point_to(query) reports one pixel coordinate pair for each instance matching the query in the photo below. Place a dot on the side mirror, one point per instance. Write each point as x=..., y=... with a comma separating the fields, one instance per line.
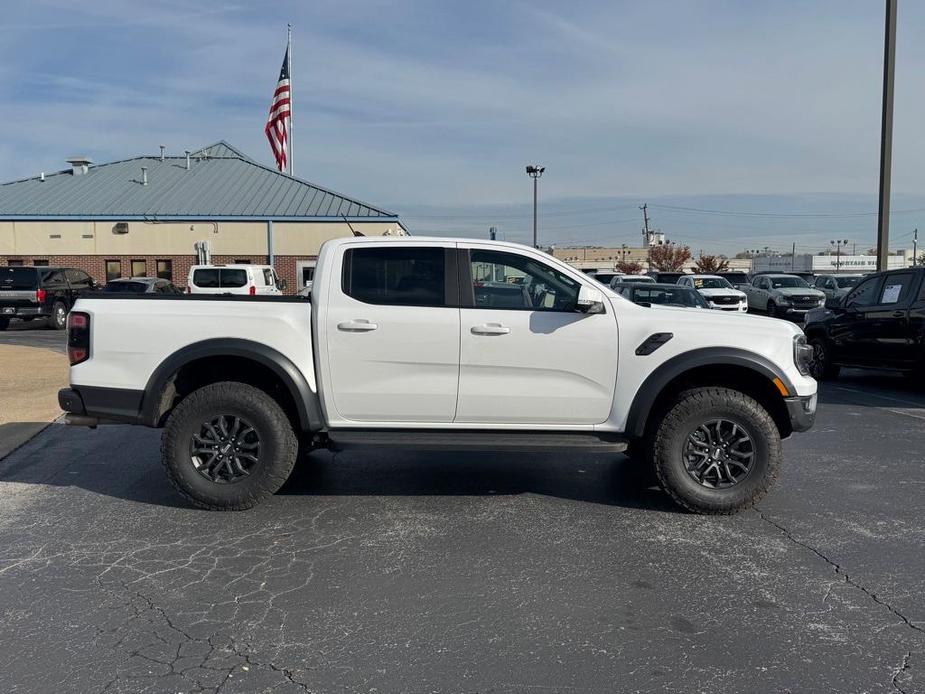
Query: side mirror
x=590, y=300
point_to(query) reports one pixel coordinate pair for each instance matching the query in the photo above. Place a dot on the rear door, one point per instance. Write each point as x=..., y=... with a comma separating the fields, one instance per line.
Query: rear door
x=392, y=333
x=527, y=356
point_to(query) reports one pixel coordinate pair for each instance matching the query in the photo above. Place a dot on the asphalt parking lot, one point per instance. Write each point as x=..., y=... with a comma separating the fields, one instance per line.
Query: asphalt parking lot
x=33, y=334
x=470, y=573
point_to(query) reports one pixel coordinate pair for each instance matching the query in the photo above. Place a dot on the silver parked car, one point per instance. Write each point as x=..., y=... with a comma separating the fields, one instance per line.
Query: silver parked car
x=782, y=296
x=836, y=286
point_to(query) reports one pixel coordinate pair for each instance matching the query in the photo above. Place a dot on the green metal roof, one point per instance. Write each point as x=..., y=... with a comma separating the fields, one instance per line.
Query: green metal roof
x=221, y=183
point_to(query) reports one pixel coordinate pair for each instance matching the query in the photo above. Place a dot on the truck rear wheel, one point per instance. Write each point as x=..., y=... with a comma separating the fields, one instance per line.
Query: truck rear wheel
x=228, y=446
x=716, y=451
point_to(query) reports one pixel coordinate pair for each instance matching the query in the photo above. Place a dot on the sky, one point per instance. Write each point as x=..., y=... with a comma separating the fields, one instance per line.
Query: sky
x=741, y=124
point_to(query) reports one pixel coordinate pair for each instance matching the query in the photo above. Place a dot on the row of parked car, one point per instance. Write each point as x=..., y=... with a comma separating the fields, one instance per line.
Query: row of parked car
x=861, y=321
x=28, y=293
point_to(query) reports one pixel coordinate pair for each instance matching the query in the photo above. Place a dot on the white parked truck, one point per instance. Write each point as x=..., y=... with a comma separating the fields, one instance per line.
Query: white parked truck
x=441, y=344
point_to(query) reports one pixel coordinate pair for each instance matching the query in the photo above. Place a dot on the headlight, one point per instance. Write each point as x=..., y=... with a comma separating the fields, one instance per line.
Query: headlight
x=802, y=354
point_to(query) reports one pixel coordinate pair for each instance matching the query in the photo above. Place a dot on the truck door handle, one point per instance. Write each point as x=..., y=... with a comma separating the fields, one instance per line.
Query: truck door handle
x=361, y=325
x=899, y=314
x=490, y=329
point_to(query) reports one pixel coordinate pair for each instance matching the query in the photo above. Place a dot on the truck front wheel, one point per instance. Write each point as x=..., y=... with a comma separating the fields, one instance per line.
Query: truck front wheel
x=716, y=450
x=228, y=446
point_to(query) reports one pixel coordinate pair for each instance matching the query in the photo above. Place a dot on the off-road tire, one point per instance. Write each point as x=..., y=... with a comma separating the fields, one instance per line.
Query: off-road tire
x=278, y=446
x=822, y=367
x=772, y=309
x=699, y=405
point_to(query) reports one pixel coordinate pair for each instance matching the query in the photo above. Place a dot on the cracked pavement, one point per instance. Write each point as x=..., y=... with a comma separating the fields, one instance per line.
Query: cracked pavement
x=388, y=572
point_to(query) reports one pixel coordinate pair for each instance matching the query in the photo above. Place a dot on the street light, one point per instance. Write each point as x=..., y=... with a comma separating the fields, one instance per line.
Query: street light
x=534, y=171
x=838, y=243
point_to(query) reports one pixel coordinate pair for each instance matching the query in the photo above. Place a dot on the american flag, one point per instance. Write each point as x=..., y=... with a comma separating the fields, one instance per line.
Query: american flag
x=277, y=127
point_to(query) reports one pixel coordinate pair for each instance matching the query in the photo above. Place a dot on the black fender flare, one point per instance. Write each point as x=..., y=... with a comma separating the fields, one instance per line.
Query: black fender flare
x=306, y=400
x=655, y=383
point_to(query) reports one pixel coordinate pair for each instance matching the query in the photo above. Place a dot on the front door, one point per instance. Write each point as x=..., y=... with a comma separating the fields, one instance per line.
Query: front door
x=851, y=333
x=527, y=356
x=392, y=331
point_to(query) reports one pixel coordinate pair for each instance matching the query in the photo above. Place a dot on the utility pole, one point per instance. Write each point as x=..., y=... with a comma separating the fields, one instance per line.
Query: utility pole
x=886, y=137
x=915, y=245
x=793, y=257
x=645, y=220
x=534, y=171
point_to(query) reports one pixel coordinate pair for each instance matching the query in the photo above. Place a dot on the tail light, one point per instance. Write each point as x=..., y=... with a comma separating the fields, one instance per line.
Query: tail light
x=40, y=296
x=78, y=337
x=252, y=291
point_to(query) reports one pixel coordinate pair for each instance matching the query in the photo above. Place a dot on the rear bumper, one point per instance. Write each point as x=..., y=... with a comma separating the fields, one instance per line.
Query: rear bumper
x=802, y=411
x=107, y=405
x=22, y=312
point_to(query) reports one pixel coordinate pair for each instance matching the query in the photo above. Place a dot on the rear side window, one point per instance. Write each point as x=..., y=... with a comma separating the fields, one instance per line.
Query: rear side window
x=125, y=287
x=207, y=279
x=233, y=277
x=404, y=276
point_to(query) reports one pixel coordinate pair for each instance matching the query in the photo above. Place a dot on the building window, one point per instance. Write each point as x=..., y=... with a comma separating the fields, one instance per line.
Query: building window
x=113, y=270
x=242, y=261
x=139, y=268
x=14, y=263
x=165, y=269
x=38, y=262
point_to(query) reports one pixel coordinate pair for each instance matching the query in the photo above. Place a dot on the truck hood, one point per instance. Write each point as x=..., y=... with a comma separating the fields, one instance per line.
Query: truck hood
x=798, y=291
x=724, y=322
x=721, y=292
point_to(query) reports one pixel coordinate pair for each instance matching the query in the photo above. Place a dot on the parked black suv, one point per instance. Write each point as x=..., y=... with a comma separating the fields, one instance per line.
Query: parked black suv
x=41, y=292
x=880, y=324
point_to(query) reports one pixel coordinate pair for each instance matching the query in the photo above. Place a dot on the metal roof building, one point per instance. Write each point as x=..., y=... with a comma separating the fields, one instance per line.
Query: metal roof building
x=157, y=214
x=220, y=182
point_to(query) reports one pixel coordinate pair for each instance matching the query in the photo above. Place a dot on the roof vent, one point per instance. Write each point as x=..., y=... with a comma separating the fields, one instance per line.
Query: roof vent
x=187, y=159
x=163, y=147
x=79, y=165
x=144, y=175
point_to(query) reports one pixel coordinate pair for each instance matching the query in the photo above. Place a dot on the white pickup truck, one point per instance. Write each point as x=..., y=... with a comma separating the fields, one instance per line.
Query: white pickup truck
x=441, y=344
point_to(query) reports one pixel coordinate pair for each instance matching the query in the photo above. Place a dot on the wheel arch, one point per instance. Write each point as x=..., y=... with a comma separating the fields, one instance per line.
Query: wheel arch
x=740, y=369
x=222, y=359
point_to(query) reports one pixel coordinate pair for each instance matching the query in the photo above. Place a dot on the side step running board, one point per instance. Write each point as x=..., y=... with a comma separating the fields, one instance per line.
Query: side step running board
x=485, y=440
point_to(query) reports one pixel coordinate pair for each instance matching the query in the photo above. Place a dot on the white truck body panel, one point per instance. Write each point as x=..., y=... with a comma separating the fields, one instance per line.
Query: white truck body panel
x=423, y=367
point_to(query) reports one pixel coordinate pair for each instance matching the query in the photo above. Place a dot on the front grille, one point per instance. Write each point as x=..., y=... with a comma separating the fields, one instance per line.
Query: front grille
x=724, y=300
x=804, y=301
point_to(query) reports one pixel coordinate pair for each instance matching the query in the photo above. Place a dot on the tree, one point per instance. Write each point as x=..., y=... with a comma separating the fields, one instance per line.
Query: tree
x=711, y=264
x=628, y=267
x=669, y=257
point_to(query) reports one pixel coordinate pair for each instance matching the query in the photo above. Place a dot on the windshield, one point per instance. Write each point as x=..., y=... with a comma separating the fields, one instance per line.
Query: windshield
x=667, y=296
x=711, y=283
x=787, y=282
x=126, y=287
x=737, y=277
x=14, y=278
x=847, y=281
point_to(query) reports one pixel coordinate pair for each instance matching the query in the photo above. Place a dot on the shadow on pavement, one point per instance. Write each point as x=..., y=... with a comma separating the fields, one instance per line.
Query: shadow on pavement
x=123, y=462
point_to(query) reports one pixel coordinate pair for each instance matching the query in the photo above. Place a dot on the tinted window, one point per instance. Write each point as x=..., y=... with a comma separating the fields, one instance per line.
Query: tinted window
x=668, y=296
x=865, y=294
x=18, y=278
x=896, y=288
x=511, y=281
x=395, y=276
x=206, y=278
x=846, y=281
x=126, y=287
x=233, y=277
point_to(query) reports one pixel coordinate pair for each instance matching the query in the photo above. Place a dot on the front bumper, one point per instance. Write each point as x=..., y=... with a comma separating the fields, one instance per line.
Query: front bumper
x=740, y=307
x=802, y=411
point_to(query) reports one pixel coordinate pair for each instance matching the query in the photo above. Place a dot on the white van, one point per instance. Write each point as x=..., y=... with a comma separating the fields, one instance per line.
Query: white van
x=252, y=280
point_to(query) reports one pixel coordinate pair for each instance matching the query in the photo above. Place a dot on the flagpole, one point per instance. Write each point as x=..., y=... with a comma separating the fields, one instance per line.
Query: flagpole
x=289, y=70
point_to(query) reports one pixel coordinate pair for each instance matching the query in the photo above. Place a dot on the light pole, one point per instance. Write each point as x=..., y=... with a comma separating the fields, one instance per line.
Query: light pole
x=534, y=171
x=838, y=243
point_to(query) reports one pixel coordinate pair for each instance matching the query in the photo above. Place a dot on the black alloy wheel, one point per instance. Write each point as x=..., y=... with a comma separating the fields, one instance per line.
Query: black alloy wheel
x=226, y=449
x=719, y=453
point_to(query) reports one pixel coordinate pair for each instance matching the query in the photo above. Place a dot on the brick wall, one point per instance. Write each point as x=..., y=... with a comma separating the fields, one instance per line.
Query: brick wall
x=95, y=265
